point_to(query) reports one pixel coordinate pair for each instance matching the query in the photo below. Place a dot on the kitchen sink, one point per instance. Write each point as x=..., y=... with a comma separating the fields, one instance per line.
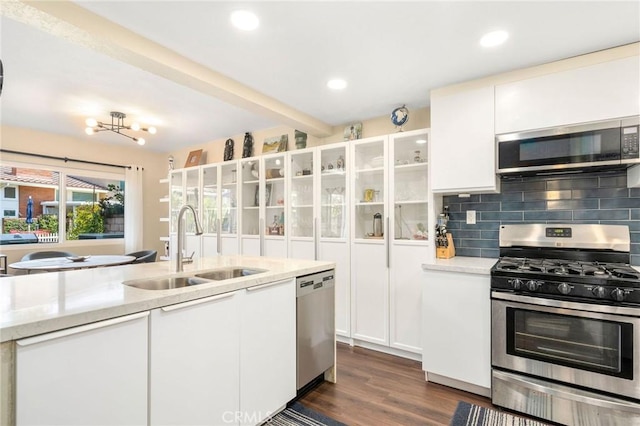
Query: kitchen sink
x=228, y=273
x=166, y=283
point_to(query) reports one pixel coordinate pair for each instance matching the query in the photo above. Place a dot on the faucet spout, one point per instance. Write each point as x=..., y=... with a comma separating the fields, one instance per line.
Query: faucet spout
x=181, y=233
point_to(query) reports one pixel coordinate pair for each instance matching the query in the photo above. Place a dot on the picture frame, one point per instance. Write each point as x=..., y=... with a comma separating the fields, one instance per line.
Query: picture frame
x=275, y=144
x=267, y=195
x=193, y=159
x=353, y=132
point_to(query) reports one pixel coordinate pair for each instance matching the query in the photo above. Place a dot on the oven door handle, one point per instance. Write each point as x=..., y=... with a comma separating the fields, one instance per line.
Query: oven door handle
x=547, y=388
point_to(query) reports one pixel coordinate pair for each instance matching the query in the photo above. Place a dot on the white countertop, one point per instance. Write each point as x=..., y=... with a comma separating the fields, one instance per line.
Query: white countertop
x=469, y=265
x=41, y=303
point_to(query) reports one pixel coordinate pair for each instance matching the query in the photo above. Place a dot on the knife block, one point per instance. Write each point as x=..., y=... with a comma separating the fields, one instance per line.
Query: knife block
x=448, y=251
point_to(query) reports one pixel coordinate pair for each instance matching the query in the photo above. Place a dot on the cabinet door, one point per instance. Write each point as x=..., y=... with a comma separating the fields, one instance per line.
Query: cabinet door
x=302, y=214
x=457, y=317
x=87, y=375
x=250, y=194
x=596, y=92
x=267, y=350
x=370, y=293
x=273, y=205
x=405, y=296
x=462, y=144
x=337, y=251
x=229, y=208
x=195, y=362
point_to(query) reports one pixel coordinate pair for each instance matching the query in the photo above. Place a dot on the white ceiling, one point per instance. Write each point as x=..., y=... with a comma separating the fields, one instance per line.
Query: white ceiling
x=391, y=53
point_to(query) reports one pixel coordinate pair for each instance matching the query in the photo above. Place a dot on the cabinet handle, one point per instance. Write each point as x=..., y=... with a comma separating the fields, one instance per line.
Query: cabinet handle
x=197, y=302
x=80, y=329
x=315, y=239
x=261, y=286
x=388, y=242
x=219, y=231
x=261, y=233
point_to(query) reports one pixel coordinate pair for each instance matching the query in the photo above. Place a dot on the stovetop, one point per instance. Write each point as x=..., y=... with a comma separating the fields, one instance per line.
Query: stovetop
x=590, y=281
x=569, y=269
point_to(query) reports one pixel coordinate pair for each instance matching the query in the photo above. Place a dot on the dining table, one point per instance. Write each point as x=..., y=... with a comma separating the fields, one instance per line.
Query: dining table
x=67, y=263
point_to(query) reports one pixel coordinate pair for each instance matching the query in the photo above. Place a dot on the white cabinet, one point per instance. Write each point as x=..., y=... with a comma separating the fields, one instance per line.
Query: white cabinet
x=332, y=215
x=220, y=209
x=457, y=329
x=195, y=362
x=164, y=205
x=267, y=350
x=185, y=189
x=369, y=252
x=390, y=179
x=590, y=93
x=96, y=373
x=463, y=142
x=262, y=205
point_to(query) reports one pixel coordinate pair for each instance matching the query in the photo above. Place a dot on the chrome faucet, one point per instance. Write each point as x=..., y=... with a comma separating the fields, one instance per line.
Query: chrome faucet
x=181, y=232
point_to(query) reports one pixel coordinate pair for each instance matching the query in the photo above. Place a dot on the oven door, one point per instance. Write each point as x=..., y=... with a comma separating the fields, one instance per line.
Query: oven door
x=574, y=343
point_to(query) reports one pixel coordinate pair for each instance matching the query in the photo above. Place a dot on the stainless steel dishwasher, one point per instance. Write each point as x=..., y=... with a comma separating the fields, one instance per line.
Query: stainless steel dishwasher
x=315, y=297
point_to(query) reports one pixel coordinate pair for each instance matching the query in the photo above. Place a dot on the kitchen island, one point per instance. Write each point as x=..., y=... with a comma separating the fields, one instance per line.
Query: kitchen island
x=95, y=339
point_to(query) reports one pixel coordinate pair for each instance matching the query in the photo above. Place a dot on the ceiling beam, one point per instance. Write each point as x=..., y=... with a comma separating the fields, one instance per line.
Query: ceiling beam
x=69, y=21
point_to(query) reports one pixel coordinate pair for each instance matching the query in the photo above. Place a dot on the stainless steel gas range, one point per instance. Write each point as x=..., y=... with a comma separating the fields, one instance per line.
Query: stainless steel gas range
x=565, y=324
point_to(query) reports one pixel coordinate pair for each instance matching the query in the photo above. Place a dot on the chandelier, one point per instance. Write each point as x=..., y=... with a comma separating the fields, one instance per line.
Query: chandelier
x=116, y=126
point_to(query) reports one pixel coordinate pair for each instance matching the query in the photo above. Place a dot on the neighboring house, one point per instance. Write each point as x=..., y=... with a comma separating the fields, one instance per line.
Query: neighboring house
x=18, y=184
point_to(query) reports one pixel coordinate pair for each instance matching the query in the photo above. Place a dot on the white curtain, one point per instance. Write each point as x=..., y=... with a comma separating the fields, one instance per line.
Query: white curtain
x=133, y=209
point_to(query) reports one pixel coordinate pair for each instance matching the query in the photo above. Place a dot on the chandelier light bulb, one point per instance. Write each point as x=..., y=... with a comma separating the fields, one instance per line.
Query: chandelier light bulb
x=89, y=130
x=152, y=130
x=140, y=141
x=91, y=122
x=135, y=126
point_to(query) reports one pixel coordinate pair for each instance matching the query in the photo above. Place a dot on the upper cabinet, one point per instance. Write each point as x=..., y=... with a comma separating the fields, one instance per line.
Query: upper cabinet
x=591, y=93
x=462, y=151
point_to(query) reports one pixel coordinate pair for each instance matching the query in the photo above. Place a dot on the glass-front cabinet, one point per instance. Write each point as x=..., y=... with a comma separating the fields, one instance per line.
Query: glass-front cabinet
x=263, y=194
x=185, y=189
x=273, y=203
x=302, y=215
x=369, y=241
x=219, y=204
x=408, y=248
x=333, y=229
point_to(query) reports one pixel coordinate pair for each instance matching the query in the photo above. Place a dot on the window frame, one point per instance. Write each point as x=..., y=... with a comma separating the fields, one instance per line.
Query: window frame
x=61, y=192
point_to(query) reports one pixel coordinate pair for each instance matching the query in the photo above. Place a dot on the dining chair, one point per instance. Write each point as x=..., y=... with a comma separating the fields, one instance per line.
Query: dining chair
x=144, y=256
x=46, y=254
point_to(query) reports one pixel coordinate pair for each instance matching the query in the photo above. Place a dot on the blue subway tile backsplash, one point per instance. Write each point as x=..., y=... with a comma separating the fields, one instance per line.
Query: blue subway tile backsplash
x=595, y=197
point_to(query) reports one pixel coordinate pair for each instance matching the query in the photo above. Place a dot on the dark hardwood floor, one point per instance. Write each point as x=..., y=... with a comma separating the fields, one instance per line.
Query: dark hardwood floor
x=374, y=388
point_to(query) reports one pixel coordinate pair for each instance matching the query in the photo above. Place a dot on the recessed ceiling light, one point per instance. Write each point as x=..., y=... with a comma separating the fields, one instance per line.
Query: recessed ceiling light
x=244, y=20
x=421, y=141
x=337, y=84
x=494, y=38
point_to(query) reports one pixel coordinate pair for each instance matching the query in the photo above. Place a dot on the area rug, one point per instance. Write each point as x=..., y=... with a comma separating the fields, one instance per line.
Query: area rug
x=299, y=415
x=472, y=415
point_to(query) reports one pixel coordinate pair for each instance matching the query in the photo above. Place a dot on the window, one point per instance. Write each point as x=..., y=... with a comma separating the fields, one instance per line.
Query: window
x=59, y=204
x=10, y=192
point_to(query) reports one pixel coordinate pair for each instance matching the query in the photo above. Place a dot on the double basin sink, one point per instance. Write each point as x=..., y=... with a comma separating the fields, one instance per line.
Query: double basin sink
x=167, y=283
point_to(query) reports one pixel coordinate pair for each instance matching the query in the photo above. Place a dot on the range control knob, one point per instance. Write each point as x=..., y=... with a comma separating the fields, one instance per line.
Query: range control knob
x=564, y=288
x=599, y=292
x=516, y=283
x=618, y=295
x=533, y=285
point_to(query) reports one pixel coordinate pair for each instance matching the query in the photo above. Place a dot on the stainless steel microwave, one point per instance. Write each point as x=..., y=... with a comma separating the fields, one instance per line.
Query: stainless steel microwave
x=603, y=144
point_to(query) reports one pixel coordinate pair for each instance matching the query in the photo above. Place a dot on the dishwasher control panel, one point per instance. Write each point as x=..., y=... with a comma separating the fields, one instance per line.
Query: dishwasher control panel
x=313, y=282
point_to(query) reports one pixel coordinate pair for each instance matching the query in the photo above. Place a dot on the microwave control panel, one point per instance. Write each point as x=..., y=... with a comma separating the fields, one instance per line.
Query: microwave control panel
x=630, y=146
